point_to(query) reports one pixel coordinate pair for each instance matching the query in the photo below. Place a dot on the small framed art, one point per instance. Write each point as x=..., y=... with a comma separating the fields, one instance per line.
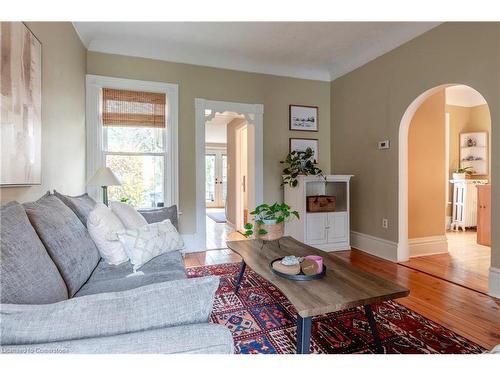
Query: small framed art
x=301, y=144
x=303, y=118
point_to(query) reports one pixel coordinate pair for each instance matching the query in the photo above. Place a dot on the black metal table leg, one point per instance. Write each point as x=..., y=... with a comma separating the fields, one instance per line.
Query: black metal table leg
x=303, y=334
x=243, y=265
x=373, y=328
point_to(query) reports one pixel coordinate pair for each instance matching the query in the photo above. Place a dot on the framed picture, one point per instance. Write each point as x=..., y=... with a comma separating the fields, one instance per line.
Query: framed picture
x=301, y=144
x=303, y=118
x=21, y=103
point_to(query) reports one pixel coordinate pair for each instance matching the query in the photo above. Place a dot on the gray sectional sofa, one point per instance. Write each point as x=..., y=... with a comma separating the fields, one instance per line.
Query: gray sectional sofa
x=58, y=296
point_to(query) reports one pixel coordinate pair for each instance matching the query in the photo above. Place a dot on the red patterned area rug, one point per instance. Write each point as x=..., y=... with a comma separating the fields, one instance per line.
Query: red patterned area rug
x=262, y=320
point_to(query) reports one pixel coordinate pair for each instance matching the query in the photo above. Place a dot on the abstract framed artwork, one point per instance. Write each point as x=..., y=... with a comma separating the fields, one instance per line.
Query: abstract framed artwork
x=301, y=144
x=303, y=118
x=21, y=105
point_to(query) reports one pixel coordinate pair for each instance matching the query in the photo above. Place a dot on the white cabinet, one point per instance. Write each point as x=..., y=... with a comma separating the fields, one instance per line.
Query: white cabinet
x=316, y=232
x=337, y=227
x=328, y=231
x=325, y=228
x=464, y=213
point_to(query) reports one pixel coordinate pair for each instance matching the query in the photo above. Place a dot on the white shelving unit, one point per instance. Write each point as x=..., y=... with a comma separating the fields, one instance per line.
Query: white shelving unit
x=327, y=231
x=474, y=152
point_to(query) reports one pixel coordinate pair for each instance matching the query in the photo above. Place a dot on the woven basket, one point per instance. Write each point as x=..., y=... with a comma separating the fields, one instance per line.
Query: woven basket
x=321, y=203
x=274, y=231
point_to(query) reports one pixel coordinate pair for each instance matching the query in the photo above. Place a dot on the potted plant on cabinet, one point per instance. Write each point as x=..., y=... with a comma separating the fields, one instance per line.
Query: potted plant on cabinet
x=299, y=163
x=461, y=173
x=269, y=221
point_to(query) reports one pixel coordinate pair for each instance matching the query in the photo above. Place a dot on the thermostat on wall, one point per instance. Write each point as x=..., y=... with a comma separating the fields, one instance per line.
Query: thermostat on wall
x=384, y=145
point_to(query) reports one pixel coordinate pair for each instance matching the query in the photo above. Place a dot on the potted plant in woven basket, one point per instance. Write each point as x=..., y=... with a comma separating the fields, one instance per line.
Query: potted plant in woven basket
x=269, y=221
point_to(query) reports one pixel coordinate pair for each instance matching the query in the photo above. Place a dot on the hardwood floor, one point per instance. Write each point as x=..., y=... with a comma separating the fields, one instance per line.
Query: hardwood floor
x=219, y=233
x=466, y=263
x=471, y=314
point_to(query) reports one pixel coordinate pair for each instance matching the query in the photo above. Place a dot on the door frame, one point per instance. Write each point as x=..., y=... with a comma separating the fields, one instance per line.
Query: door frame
x=205, y=110
x=239, y=198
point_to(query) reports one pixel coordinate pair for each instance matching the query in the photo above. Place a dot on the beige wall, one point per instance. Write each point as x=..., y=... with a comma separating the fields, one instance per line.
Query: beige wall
x=368, y=104
x=274, y=92
x=63, y=113
x=426, y=169
x=480, y=121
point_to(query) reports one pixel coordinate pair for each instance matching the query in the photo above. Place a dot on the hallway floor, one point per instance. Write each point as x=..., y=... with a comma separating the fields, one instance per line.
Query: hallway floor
x=466, y=263
x=219, y=233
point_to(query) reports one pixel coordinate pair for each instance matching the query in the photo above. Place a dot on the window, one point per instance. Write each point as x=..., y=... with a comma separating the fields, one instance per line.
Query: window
x=132, y=128
x=134, y=145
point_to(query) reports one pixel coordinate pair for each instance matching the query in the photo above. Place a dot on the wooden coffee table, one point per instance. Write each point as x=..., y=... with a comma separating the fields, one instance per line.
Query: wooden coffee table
x=344, y=286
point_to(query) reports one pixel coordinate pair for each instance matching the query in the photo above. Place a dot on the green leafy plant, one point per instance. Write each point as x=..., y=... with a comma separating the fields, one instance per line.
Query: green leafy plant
x=265, y=213
x=466, y=170
x=299, y=163
x=125, y=200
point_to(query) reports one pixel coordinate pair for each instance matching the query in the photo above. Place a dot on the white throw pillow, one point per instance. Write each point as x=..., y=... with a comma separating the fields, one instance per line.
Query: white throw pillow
x=102, y=225
x=149, y=241
x=128, y=215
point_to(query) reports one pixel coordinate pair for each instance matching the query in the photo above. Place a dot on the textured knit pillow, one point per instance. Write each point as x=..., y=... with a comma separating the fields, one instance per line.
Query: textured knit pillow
x=102, y=225
x=129, y=216
x=149, y=241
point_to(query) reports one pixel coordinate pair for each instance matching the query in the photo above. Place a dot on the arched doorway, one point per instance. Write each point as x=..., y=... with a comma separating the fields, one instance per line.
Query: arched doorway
x=413, y=240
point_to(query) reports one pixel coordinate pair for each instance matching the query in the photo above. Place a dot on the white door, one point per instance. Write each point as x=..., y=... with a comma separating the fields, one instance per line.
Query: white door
x=215, y=177
x=336, y=227
x=316, y=228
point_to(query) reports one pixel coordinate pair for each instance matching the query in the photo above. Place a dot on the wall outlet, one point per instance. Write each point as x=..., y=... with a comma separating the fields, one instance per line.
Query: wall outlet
x=385, y=223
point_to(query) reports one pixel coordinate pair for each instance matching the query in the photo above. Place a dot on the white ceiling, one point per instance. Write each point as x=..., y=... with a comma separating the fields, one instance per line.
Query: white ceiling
x=463, y=96
x=311, y=50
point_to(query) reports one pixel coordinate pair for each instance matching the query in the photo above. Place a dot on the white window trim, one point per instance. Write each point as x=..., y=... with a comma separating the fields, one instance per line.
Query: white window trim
x=95, y=152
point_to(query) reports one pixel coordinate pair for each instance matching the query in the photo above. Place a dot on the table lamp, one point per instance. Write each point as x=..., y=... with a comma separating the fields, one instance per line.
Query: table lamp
x=104, y=177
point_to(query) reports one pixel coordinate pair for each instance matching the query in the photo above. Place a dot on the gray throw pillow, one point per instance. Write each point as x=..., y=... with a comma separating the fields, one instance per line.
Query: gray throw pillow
x=81, y=205
x=28, y=275
x=159, y=214
x=66, y=239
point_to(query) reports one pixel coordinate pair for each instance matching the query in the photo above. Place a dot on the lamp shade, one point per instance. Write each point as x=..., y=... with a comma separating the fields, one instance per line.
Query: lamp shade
x=104, y=177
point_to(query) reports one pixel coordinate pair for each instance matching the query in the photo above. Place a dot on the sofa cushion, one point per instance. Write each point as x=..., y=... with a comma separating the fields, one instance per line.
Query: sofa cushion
x=160, y=305
x=200, y=338
x=102, y=225
x=28, y=274
x=109, y=278
x=129, y=216
x=150, y=241
x=160, y=214
x=66, y=240
x=81, y=205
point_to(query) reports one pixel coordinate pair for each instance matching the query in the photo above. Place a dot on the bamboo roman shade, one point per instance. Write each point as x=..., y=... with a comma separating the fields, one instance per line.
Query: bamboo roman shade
x=133, y=108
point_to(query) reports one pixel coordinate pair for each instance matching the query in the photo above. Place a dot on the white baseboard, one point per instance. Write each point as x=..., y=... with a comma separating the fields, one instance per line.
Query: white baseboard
x=494, y=282
x=376, y=246
x=427, y=246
